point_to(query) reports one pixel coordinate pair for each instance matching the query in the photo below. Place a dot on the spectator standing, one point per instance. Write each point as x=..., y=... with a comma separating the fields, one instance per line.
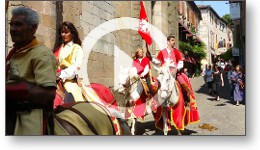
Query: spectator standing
x=208, y=77
x=217, y=81
x=239, y=86
x=230, y=74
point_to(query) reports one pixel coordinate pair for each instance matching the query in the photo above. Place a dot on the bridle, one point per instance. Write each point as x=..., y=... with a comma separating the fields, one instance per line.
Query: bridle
x=170, y=93
x=128, y=86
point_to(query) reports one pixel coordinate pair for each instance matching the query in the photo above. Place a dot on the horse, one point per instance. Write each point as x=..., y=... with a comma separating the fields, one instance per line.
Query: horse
x=99, y=97
x=171, y=102
x=131, y=86
x=86, y=118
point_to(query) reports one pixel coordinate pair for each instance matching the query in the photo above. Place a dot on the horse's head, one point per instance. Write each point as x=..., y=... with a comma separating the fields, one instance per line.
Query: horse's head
x=166, y=78
x=125, y=77
x=166, y=81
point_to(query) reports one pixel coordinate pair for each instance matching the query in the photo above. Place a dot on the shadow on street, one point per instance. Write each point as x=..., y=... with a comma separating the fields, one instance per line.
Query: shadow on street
x=142, y=128
x=224, y=92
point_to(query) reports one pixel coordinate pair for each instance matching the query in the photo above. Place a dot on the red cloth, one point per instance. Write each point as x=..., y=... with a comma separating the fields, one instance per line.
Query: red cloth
x=143, y=29
x=175, y=56
x=140, y=66
x=138, y=108
x=19, y=91
x=56, y=53
x=57, y=101
x=175, y=115
x=192, y=115
x=104, y=93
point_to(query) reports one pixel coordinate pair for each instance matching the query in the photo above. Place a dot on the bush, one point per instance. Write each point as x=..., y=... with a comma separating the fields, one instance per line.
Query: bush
x=191, y=49
x=228, y=55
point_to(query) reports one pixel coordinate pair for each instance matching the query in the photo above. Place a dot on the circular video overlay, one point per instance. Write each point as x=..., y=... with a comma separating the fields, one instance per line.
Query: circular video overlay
x=122, y=61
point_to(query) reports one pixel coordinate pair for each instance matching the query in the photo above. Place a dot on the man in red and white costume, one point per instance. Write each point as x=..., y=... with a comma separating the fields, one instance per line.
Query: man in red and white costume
x=170, y=54
x=179, y=115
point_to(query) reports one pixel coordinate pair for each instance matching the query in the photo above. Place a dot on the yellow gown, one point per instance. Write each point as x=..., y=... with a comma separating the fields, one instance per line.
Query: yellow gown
x=71, y=56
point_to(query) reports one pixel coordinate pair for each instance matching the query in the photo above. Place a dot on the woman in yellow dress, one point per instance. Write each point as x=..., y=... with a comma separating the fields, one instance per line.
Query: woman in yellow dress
x=69, y=56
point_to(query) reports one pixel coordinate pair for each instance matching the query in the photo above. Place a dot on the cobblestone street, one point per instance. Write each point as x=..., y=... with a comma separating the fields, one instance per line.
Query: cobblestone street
x=225, y=117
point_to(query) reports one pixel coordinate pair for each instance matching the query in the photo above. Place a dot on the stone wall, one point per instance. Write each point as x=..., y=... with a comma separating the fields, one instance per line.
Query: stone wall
x=173, y=21
x=86, y=15
x=47, y=13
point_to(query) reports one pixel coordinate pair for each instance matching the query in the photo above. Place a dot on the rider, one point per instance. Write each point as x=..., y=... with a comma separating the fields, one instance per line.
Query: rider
x=30, y=74
x=142, y=65
x=69, y=55
x=169, y=54
x=173, y=56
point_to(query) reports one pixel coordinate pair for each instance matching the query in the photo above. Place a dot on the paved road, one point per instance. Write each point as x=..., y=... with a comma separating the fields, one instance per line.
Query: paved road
x=228, y=118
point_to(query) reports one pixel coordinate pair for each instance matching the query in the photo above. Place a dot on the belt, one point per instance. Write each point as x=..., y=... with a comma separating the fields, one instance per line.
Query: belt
x=27, y=106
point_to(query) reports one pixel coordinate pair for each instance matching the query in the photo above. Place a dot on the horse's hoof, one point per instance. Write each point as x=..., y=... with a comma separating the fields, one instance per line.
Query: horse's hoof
x=133, y=132
x=179, y=132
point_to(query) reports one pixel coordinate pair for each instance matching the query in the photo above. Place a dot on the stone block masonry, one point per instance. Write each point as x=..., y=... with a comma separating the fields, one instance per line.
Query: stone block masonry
x=86, y=15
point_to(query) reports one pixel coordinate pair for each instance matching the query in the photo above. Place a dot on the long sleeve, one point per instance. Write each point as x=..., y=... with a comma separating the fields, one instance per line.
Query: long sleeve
x=78, y=62
x=156, y=61
x=74, y=64
x=78, y=56
x=68, y=73
x=180, y=64
x=145, y=72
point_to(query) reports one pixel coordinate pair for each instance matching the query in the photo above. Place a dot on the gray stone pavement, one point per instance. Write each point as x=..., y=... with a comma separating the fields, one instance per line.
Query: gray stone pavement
x=228, y=118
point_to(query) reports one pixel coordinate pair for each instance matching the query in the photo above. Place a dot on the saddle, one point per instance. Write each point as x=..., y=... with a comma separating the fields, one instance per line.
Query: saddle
x=152, y=90
x=155, y=85
x=145, y=87
x=82, y=118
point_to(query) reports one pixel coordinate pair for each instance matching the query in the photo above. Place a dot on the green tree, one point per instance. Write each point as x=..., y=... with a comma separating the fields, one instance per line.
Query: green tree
x=228, y=55
x=227, y=17
x=195, y=50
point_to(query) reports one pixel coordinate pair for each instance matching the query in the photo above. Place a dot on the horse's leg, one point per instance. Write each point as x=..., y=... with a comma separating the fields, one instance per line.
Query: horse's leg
x=133, y=126
x=179, y=132
x=165, y=127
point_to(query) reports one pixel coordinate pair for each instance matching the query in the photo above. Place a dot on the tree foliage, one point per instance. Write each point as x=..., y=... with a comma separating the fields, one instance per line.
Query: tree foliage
x=192, y=49
x=228, y=55
x=227, y=17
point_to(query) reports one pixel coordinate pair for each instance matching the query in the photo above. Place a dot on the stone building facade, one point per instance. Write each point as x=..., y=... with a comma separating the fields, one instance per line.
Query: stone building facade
x=189, y=17
x=86, y=15
x=214, y=32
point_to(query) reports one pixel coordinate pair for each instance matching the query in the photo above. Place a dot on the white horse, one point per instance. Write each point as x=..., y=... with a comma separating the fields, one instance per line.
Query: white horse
x=131, y=86
x=167, y=94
